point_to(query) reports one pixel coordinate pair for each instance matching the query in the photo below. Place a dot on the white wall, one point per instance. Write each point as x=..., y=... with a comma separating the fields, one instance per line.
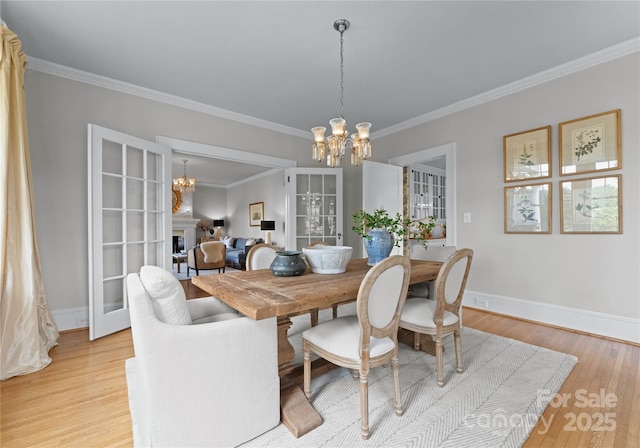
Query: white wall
x=594, y=273
x=210, y=203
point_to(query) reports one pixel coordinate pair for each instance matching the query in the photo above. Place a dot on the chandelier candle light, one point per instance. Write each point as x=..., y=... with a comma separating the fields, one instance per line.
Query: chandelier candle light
x=339, y=141
x=182, y=183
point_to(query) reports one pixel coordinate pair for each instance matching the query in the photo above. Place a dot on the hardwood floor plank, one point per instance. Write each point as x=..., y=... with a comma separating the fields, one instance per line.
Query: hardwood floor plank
x=80, y=400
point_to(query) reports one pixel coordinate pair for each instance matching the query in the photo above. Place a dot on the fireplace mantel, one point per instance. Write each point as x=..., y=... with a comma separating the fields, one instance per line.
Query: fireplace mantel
x=186, y=227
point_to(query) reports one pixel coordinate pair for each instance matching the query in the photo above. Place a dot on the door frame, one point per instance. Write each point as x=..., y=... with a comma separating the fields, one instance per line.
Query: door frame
x=449, y=152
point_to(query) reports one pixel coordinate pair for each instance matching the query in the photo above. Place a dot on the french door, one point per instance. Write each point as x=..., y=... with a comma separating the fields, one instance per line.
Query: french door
x=314, y=207
x=129, y=220
x=382, y=186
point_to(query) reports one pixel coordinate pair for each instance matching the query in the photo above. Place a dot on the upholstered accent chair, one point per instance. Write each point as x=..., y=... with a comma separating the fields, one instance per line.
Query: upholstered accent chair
x=369, y=339
x=441, y=317
x=203, y=374
x=208, y=255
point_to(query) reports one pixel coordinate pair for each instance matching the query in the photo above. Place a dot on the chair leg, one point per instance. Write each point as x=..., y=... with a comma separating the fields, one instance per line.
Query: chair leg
x=458, y=343
x=307, y=369
x=364, y=404
x=314, y=317
x=439, y=362
x=416, y=341
x=335, y=310
x=397, y=405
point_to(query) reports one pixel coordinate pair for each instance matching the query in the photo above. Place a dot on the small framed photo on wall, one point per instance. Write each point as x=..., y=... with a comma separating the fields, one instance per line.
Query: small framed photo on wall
x=591, y=205
x=527, y=208
x=590, y=144
x=527, y=155
x=256, y=214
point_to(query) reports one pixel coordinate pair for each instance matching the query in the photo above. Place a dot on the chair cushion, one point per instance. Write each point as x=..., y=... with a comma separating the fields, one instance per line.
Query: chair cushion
x=342, y=337
x=167, y=295
x=213, y=251
x=419, y=311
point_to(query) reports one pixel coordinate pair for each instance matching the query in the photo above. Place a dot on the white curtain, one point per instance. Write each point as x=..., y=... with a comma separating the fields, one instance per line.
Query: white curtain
x=27, y=329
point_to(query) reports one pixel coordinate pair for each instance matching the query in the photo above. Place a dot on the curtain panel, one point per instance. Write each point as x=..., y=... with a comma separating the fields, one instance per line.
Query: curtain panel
x=27, y=328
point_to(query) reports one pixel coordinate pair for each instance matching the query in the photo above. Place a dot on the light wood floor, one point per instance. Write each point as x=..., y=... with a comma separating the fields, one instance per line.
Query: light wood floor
x=80, y=400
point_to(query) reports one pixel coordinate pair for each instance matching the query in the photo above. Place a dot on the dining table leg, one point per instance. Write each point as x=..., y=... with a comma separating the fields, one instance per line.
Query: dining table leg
x=297, y=414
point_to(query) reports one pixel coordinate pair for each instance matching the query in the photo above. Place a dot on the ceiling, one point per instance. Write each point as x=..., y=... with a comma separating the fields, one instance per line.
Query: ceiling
x=279, y=61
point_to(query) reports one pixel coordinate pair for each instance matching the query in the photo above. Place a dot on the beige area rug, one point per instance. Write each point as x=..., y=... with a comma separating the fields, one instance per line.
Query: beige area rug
x=505, y=387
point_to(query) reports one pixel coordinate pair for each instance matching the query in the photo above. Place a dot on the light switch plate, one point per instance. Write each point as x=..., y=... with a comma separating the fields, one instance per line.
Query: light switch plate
x=467, y=217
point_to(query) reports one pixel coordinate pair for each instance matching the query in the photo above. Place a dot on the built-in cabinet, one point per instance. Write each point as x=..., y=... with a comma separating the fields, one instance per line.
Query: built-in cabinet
x=427, y=193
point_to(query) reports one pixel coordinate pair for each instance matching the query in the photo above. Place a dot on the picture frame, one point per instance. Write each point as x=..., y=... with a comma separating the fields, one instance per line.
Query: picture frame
x=527, y=155
x=590, y=144
x=256, y=213
x=591, y=205
x=527, y=208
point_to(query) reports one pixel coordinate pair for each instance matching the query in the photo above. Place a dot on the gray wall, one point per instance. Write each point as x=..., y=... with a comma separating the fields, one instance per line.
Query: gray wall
x=589, y=272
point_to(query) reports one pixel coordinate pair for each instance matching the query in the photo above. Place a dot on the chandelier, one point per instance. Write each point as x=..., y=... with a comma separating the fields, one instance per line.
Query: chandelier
x=182, y=183
x=339, y=142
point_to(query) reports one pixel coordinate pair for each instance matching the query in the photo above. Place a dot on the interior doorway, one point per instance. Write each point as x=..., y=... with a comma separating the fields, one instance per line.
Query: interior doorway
x=443, y=157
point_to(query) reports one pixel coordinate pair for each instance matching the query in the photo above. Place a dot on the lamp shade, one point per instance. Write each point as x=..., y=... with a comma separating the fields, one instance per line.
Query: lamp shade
x=267, y=225
x=218, y=223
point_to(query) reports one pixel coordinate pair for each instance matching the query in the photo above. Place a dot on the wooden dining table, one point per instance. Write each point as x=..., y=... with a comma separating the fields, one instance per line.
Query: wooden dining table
x=260, y=295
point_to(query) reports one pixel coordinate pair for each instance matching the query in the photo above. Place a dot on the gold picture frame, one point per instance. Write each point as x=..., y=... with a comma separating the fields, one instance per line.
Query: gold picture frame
x=256, y=213
x=527, y=208
x=527, y=155
x=590, y=144
x=591, y=205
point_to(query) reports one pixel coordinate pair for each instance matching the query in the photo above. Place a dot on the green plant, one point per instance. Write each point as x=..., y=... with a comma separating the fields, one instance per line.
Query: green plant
x=422, y=229
x=380, y=219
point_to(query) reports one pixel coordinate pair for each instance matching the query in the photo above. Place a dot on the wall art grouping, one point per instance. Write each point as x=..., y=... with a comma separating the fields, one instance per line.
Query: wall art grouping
x=587, y=205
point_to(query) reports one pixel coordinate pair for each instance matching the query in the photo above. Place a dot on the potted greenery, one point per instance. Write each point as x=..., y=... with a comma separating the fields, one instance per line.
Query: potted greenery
x=380, y=231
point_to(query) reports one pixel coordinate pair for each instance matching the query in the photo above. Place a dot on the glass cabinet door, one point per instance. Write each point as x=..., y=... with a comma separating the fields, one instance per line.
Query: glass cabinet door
x=314, y=207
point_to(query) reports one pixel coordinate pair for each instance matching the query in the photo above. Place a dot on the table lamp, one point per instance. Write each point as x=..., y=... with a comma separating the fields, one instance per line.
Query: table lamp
x=217, y=223
x=268, y=226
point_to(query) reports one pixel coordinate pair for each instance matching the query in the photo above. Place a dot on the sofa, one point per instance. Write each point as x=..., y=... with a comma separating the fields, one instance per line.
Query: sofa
x=203, y=374
x=237, y=250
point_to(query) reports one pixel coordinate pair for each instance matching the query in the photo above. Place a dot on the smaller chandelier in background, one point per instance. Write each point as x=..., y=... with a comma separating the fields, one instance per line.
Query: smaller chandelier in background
x=184, y=184
x=339, y=142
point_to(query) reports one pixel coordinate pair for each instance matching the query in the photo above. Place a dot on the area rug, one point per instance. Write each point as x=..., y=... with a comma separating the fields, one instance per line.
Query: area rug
x=505, y=387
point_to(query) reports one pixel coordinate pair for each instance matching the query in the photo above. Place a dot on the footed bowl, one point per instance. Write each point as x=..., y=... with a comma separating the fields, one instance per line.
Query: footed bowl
x=328, y=259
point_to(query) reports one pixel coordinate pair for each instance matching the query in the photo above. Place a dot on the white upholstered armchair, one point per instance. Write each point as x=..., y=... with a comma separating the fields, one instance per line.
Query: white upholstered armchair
x=210, y=381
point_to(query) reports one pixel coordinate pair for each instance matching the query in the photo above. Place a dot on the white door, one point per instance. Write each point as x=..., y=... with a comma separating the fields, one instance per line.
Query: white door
x=382, y=188
x=129, y=220
x=314, y=206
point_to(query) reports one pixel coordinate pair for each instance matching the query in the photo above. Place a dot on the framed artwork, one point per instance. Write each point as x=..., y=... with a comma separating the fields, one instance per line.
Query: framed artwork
x=256, y=213
x=527, y=155
x=592, y=205
x=527, y=208
x=590, y=144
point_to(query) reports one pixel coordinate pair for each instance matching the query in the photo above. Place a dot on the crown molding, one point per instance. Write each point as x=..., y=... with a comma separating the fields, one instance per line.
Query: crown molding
x=617, y=51
x=608, y=54
x=62, y=71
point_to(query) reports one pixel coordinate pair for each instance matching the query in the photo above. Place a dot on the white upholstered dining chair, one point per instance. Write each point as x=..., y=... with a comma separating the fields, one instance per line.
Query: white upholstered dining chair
x=431, y=252
x=260, y=256
x=369, y=339
x=441, y=317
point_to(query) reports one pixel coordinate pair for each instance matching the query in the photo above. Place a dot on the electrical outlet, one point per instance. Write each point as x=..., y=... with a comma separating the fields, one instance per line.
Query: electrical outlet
x=482, y=302
x=82, y=321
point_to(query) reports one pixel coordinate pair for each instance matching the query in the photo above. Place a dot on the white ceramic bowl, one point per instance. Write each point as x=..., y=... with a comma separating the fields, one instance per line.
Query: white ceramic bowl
x=328, y=259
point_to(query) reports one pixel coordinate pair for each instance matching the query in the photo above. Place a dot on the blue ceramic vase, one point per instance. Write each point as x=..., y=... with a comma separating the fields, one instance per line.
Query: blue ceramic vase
x=379, y=245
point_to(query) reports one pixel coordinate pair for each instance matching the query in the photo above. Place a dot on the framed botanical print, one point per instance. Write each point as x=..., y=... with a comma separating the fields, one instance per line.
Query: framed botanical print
x=256, y=213
x=527, y=155
x=527, y=208
x=591, y=205
x=590, y=144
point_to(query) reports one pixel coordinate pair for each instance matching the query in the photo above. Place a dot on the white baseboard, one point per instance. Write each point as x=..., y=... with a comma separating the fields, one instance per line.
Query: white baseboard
x=610, y=325
x=71, y=318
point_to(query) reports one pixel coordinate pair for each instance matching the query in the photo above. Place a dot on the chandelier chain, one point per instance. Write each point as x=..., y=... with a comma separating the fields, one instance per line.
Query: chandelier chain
x=341, y=73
